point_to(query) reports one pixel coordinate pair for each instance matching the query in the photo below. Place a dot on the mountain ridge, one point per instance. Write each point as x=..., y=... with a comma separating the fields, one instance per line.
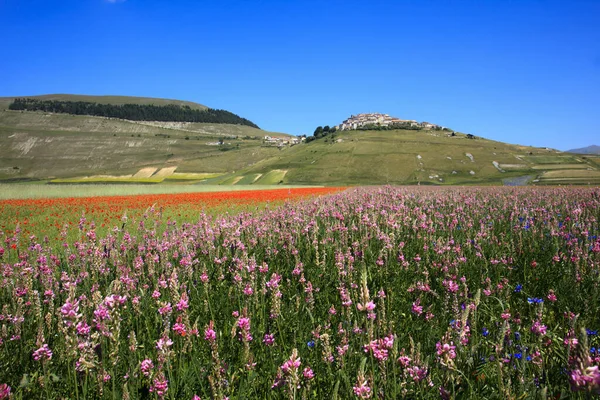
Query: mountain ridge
x=592, y=149
x=105, y=99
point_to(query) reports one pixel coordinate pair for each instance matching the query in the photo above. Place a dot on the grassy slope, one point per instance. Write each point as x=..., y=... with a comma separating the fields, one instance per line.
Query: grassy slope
x=42, y=145
x=376, y=157
x=59, y=145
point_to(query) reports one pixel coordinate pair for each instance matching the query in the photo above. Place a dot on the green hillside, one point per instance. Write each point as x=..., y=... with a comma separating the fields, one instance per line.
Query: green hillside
x=424, y=157
x=63, y=148
x=35, y=145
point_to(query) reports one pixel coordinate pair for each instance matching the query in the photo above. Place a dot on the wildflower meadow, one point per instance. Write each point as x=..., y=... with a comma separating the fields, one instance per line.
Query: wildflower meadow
x=383, y=293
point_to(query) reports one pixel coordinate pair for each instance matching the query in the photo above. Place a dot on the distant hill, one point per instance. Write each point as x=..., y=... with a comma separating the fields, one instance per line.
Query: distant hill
x=116, y=100
x=593, y=149
x=425, y=157
x=129, y=111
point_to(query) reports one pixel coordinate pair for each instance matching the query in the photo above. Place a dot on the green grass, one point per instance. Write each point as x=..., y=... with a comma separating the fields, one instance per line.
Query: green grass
x=552, y=159
x=178, y=176
x=108, y=179
x=273, y=177
x=248, y=179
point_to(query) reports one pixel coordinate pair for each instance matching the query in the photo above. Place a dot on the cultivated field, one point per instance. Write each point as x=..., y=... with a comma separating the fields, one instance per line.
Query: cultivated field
x=474, y=293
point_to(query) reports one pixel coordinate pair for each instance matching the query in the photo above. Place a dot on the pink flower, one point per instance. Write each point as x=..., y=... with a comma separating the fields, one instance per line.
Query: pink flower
x=585, y=379
x=146, y=366
x=417, y=373
x=209, y=333
x=370, y=306
x=417, y=308
x=164, y=343
x=183, y=303
x=269, y=339
x=4, y=391
x=362, y=389
x=291, y=365
x=404, y=361
x=43, y=353
x=308, y=373
x=83, y=329
x=160, y=385
x=538, y=328
x=69, y=310
x=165, y=309
x=446, y=350
x=179, y=328
x=450, y=285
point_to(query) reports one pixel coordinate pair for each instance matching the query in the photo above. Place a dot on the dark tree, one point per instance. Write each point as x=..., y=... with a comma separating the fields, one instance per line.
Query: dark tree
x=134, y=112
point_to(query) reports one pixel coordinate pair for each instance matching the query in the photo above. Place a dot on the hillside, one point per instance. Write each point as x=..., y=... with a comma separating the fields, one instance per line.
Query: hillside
x=40, y=146
x=422, y=157
x=49, y=147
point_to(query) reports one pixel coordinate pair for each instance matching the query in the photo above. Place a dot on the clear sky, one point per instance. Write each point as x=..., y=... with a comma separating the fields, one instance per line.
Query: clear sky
x=520, y=71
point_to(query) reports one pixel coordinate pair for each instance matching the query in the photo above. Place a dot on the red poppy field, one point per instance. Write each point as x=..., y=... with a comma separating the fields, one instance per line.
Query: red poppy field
x=48, y=216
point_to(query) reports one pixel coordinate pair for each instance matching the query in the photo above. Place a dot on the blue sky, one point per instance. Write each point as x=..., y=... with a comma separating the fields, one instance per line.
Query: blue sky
x=523, y=71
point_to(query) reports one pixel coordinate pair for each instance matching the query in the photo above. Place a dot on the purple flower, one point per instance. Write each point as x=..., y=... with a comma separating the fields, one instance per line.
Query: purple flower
x=43, y=353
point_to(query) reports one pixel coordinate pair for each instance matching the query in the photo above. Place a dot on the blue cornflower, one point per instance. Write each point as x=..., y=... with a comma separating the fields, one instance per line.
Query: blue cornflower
x=591, y=332
x=517, y=336
x=534, y=300
x=485, y=332
x=593, y=350
x=518, y=356
x=311, y=344
x=518, y=288
x=528, y=358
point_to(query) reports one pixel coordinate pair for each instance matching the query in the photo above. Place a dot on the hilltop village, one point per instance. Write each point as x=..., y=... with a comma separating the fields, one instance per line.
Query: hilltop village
x=381, y=120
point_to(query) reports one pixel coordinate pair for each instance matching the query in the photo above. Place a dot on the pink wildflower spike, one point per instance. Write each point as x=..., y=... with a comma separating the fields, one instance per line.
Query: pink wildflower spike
x=160, y=385
x=269, y=339
x=43, y=353
x=146, y=366
x=417, y=308
x=308, y=373
x=183, y=303
x=4, y=391
x=209, y=333
x=362, y=389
